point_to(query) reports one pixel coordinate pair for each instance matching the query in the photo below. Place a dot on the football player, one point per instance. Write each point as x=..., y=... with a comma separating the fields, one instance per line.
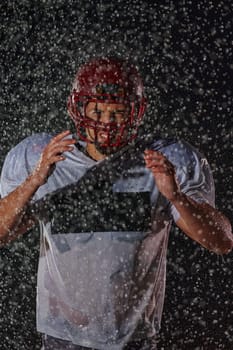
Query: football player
x=105, y=200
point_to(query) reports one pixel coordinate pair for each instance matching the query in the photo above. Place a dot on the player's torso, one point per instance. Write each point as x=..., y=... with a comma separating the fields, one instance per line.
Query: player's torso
x=123, y=201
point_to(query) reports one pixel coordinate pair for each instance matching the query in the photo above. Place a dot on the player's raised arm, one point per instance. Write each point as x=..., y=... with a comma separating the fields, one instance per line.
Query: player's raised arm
x=200, y=221
x=14, y=218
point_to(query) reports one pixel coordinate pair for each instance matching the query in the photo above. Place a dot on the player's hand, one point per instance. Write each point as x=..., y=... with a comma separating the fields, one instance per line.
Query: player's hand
x=52, y=154
x=164, y=173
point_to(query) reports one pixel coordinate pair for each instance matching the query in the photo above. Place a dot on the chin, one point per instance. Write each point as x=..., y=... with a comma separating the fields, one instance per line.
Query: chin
x=105, y=150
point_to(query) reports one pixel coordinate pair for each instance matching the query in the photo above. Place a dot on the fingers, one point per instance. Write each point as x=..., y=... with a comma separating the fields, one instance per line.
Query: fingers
x=52, y=154
x=58, y=145
x=59, y=140
x=158, y=163
x=60, y=136
x=57, y=150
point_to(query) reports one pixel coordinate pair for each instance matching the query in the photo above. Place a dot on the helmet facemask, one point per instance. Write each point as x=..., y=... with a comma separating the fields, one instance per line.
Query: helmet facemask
x=93, y=88
x=118, y=134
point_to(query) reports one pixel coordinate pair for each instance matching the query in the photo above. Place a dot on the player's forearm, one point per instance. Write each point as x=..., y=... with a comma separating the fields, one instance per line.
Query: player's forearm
x=204, y=224
x=13, y=219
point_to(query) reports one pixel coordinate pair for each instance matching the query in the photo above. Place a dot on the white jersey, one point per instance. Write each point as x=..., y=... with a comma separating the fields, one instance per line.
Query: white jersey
x=102, y=266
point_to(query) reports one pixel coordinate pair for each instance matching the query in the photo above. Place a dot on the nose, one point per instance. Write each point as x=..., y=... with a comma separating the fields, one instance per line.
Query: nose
x=107, y=117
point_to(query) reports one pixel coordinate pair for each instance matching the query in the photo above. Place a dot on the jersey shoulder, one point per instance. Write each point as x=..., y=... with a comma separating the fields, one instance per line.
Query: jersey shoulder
x=29, y=149
x=22, y=158
x=34, y=143
x=180, y=152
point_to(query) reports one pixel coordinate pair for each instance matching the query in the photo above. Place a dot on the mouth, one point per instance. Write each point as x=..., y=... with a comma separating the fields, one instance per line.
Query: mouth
x=107, y=138
x=103, y=137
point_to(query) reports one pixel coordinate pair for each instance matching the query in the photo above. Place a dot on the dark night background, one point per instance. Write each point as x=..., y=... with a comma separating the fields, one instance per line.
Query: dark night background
x=184, y=52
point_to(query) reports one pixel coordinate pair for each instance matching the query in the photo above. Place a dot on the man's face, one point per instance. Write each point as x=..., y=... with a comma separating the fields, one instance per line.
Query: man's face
x=112, y=117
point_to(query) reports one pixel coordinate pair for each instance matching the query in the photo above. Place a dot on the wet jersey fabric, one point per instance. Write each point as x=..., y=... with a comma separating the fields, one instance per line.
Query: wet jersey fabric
x=51, y=343
x=102, y=266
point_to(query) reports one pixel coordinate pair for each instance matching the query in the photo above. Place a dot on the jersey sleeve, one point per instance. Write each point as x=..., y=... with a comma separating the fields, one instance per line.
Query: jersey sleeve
x=21, y=161
x=193, y=174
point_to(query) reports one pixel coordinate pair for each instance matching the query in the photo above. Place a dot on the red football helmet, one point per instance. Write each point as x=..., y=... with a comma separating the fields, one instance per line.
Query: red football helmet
x=107, y=80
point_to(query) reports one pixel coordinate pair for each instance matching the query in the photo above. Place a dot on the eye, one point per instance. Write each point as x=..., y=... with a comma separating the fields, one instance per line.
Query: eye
x=96, y=114
x=119, y=116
